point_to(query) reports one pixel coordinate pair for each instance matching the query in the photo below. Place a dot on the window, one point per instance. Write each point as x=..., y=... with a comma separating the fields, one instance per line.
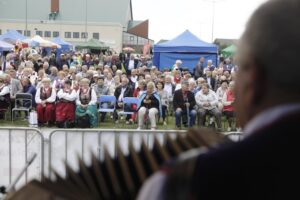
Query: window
x=28, y=34
x=131, y=38
x=47, y=33
x=67, y=34
x=55, y=34
x=75, y=34
x=40, y=33
x=96, y=36
x=20, y=31
x=84, y=35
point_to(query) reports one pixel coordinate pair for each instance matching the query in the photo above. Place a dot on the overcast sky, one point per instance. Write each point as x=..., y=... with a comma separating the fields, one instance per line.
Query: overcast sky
x=169, y=18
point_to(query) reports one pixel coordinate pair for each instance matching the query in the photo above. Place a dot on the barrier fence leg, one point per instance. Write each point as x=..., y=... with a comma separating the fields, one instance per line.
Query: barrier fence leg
x=82, y=146
x=9, y=150
x=99, y=145
x=26, y=172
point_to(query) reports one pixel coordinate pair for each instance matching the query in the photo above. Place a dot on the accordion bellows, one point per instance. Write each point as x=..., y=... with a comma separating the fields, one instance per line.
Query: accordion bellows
x=116, y=178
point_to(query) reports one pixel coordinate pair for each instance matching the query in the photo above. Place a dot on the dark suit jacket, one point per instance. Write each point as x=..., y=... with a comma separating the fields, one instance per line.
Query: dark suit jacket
x=264, y=165
x=127, y=64
x=178, y=101
x=128, y=92
x=198, y=70
x=212, y=83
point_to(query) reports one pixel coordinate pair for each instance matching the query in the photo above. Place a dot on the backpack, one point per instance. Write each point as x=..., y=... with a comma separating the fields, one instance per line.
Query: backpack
x=83, y=121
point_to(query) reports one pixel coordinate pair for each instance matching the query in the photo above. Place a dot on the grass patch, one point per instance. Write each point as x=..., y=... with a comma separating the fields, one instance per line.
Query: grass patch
x=110, y=124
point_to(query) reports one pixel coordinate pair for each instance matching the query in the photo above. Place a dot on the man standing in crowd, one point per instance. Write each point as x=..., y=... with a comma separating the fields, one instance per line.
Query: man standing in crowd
x=198, y=70
x=130, y=64
x=264, y=164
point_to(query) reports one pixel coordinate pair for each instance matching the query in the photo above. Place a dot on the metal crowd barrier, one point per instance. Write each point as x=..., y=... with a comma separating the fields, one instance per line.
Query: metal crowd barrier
x=17, y=145
x=67, y=145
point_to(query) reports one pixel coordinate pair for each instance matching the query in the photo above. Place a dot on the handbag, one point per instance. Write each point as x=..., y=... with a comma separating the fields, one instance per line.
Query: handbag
x=33, y=119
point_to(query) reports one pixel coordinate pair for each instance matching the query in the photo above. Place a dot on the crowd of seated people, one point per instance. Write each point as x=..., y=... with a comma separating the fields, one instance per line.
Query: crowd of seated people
x=67, y=90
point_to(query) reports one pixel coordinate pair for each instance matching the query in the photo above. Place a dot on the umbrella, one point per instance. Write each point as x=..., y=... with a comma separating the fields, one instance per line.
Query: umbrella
x=128, y=49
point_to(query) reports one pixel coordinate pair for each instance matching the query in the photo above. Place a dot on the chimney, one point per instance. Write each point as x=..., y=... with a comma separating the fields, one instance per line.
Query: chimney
x=54, y=6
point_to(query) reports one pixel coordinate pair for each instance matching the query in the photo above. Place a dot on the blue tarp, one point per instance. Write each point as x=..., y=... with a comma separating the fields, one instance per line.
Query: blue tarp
x=186, y=47
x=64, y=45
x=5, y=46
x=12, y=36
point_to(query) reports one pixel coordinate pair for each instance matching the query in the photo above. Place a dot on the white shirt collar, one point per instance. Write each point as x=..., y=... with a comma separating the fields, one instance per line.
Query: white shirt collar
x=269, y=116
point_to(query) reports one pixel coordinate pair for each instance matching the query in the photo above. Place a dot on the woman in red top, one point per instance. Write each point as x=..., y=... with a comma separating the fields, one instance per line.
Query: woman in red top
x=228, y=100
x=177, y=76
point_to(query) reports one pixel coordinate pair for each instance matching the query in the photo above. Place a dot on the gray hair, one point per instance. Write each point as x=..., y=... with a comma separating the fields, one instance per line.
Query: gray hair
x=192, y=81
x=272, y=40
x=184, y=82
x=151, y=84
x=85, y=80
x=231, y=84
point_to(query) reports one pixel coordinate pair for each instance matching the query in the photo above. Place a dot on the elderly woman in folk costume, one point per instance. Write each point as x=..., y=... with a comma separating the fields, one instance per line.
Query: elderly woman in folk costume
x=86, y=102
x=40, y=77
x=149, y=101
x=65, y=107
x=60, y=81
x=45, y=100
x=4, y=96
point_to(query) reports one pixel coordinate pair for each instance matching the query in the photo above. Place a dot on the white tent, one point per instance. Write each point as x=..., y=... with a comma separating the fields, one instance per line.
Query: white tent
x=39, y=41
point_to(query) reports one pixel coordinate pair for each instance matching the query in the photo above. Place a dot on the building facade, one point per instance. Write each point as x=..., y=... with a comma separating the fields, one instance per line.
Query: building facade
x=73, y=20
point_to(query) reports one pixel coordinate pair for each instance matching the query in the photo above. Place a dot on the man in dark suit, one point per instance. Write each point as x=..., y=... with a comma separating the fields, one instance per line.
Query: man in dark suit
x=211, y=81
x=264, y=164
x=184, y=102
x=198, y=70
x=130, y=64
x=124, y=90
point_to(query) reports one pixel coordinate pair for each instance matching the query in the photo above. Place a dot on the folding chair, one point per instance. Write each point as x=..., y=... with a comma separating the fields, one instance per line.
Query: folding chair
x=6, y=112
x=127, y=106
x=23, y=102
x=110, y=100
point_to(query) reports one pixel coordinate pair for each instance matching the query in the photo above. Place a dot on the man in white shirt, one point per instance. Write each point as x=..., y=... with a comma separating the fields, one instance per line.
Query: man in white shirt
x=130, y=64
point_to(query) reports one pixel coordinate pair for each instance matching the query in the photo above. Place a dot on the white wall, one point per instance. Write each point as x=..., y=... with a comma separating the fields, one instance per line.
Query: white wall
x=107, y=31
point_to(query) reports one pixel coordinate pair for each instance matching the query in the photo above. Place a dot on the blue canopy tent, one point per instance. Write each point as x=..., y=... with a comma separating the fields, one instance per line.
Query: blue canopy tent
x=5, y=46
x=186, y=47
x=64, y=45
x=12, y=36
